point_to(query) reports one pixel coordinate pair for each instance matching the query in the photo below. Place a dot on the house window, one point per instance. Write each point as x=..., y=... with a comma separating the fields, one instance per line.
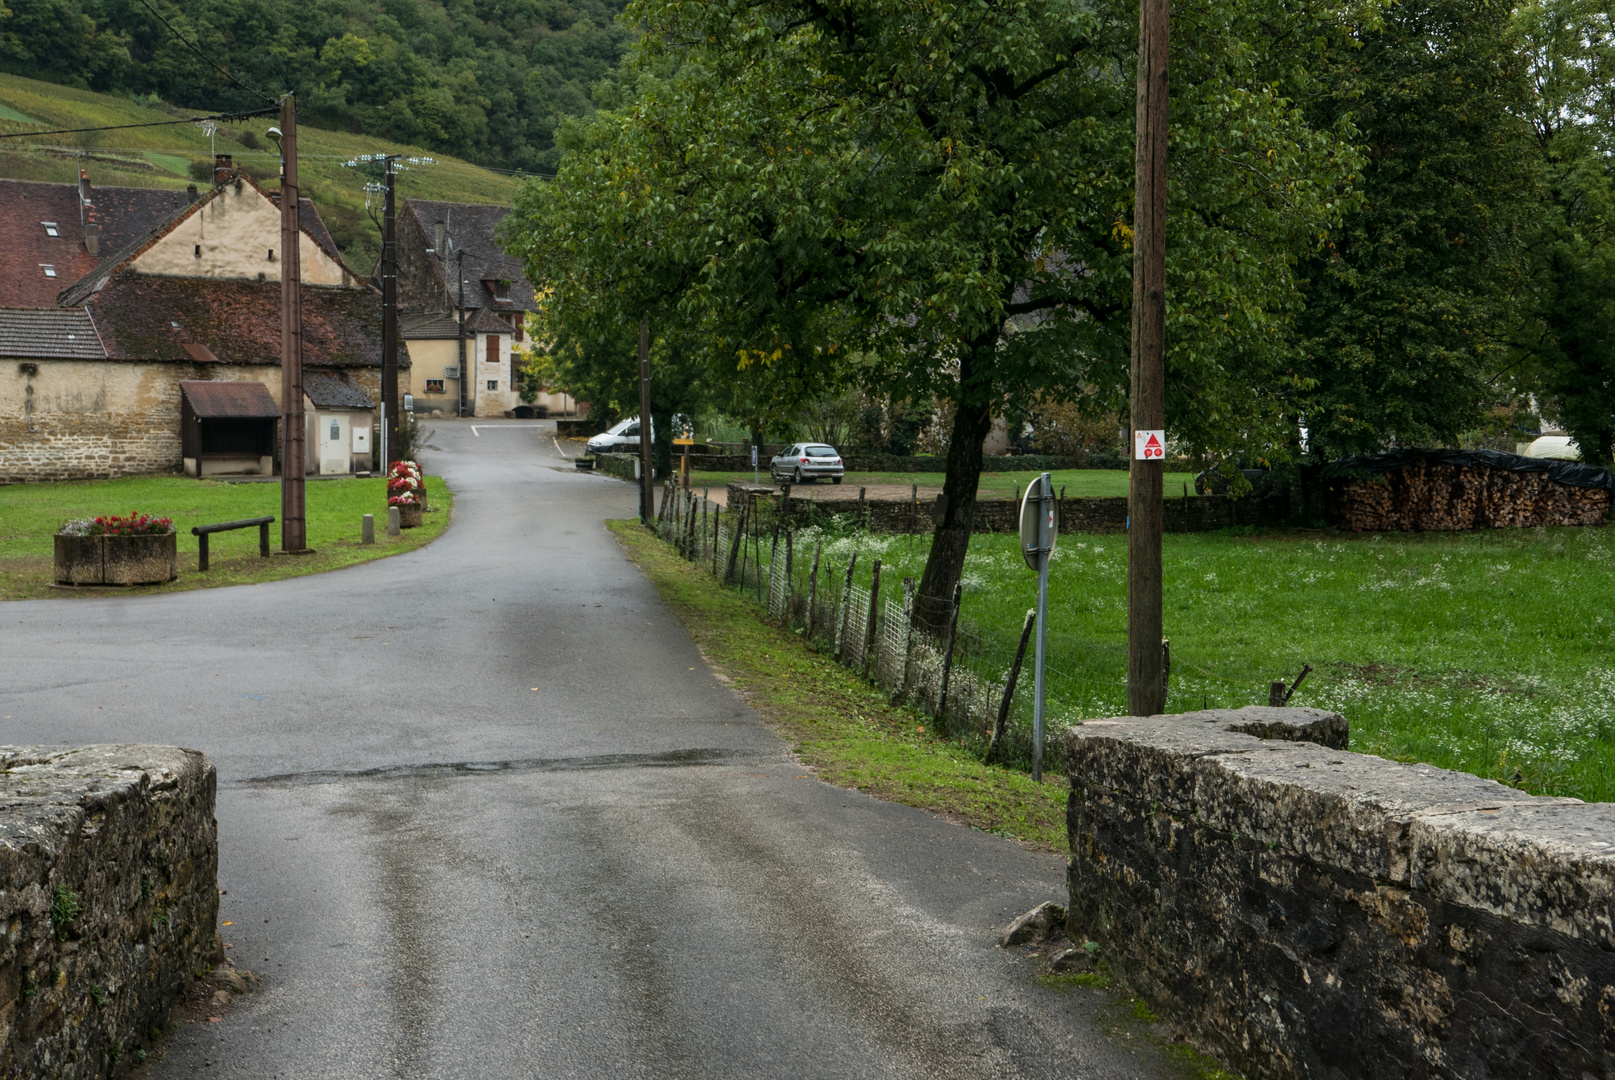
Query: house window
x=434, y=386
x=492, y=355
x=50, y=271
x=50, y=228
x=271, y=254
x=501, y=291
x=198, y=251
x=493, y=384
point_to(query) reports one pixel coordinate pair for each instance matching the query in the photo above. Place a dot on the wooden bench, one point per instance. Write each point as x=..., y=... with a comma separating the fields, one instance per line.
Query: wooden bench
x=202, y=532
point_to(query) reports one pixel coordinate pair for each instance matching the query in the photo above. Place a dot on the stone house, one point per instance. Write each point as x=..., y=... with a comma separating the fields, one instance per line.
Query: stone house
x=450, y=263
x=91, y=362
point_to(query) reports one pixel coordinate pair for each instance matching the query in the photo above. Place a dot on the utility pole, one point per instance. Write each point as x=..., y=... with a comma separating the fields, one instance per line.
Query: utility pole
x=1146, y=692
x=647, y=499
x=465, y=371
x=389, y=312
x=293, y=525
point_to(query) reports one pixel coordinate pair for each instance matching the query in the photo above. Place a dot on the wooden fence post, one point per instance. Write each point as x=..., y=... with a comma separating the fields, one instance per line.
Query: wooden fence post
x=738, y=529
x=908, y=641
x=846, y=610
x=873, y=622
x=1009, y=690
x=813, y=589
x=947, y=655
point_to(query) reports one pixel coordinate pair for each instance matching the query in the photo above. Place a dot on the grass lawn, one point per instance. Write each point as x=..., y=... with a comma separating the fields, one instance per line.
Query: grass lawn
x=1487, y=652
x=31, y=513
x=838, y=724
x=1079, y=483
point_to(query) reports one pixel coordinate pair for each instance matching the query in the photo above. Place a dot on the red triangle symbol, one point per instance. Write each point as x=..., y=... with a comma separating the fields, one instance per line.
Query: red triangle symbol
x=1153, y=441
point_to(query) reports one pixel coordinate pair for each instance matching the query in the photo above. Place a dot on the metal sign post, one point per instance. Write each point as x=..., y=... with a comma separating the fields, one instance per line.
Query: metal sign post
x=1039, y=531
x=756, y=477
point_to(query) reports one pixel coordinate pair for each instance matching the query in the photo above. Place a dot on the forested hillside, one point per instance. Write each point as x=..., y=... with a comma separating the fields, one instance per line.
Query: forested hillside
x=487, y=80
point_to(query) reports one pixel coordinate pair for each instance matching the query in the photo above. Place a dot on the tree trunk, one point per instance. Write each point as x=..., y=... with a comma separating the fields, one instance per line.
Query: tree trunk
x=950, y=541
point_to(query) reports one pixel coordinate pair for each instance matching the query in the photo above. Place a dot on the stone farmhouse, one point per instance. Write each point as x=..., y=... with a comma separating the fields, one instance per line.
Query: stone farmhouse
x=110, y=299
x=450, y=264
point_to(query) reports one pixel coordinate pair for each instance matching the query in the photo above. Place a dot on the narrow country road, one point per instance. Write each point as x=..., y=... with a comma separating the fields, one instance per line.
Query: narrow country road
x=484, y=813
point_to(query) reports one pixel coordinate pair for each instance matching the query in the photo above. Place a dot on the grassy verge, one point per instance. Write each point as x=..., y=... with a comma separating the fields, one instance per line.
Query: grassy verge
x=1487, y=652
x=31, y=513
x=838, y=724
x=1078, y=483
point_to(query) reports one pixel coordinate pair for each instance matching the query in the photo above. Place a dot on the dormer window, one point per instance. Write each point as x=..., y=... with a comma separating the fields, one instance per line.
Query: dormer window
x=50, y=228
x=501, y=291
x=50, y=271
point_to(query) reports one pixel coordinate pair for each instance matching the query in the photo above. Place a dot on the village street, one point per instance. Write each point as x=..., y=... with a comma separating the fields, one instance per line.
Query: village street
x=483, y=812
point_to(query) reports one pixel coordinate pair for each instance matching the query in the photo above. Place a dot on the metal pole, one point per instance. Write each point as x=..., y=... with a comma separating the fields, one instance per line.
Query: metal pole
x=1045, y=496
x=389, y=313
x=293, y=525
x=644, y=422
x=1144, y=694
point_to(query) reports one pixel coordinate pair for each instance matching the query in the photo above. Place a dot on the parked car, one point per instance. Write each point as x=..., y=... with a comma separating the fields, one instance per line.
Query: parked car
x=806, y=461
x=621, y=438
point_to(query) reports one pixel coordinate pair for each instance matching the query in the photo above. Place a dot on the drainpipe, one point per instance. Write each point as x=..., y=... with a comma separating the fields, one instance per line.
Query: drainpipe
x=29, y=370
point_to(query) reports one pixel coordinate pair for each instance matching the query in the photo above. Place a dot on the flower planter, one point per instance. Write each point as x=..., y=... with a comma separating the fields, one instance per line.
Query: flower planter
x=80, y=560
x=409, y=515
x=144, y=559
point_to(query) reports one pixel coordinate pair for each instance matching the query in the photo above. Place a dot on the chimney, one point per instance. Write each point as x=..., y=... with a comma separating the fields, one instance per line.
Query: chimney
x=190, y=192
x=84, y=188
x=92, y=235
x=438, y=232
x=223, y=166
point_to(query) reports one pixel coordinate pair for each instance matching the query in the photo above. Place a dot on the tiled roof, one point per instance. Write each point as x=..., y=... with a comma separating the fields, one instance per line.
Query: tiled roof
x=144, y=317
x=49, y=333
x=216, y=400
x=438, y=327
x=470, y=228
x=124, y=214
x=329, y=392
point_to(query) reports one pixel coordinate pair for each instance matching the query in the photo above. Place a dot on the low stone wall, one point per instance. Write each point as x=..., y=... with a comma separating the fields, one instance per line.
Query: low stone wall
x=1302, y=911
x=855, y=463
x=621, y=466
x=1098, y=515
x=109, y=893
x=578, y=428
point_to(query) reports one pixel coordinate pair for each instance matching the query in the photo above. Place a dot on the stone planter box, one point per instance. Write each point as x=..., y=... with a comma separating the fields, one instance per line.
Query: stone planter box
x=409, y=515
x=149, y=559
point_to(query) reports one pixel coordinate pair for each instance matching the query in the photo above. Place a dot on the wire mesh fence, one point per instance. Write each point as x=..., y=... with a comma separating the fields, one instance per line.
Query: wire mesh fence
x=920, y=650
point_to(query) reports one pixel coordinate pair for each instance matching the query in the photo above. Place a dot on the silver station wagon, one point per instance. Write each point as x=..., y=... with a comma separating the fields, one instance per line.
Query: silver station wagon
x=806, y=461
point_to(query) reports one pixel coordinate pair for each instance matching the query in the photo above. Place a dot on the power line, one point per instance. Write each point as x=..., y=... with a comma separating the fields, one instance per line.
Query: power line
x=198, y=51
x=125, y=127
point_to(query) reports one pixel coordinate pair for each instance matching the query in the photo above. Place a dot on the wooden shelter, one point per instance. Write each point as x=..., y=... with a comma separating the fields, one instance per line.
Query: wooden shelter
x=228, y=428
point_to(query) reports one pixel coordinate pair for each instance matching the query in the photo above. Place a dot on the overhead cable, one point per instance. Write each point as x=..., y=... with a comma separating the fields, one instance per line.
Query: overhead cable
x=124, y=127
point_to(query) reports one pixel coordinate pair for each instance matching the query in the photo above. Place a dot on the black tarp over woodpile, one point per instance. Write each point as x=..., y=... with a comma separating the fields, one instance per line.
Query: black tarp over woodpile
x=1410, y=490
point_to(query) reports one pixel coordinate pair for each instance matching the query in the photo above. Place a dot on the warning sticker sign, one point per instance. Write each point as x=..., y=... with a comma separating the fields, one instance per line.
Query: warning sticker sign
x=1149, y=445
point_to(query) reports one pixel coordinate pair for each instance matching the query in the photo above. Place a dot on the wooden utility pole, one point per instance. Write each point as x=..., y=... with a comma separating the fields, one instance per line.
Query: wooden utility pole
x=389, y=313
x=1145, y=693
x=467, y=402
x=645, y=499
x=293, y=525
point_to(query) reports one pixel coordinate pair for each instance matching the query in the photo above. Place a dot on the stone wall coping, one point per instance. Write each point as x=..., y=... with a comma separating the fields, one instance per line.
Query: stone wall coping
x=1539, y=861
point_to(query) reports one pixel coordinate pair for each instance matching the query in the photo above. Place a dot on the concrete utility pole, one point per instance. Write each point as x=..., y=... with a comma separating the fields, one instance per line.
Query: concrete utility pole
x=1146, y=692
x=293, y=525
x=647, y=499
x=389, y=311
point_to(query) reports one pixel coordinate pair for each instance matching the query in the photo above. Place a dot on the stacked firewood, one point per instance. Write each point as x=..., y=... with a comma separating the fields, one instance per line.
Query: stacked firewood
x=1433, y=495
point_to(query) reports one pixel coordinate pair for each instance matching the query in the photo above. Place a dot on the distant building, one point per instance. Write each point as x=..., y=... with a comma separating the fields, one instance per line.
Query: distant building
x=449, y=265
x=95, y=340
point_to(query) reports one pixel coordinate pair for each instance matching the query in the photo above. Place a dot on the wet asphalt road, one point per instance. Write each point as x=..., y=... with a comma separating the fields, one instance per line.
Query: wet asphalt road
x=484, y=813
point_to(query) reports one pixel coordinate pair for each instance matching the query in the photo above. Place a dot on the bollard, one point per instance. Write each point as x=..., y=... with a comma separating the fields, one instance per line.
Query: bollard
x=392, y=521
x=367, y=529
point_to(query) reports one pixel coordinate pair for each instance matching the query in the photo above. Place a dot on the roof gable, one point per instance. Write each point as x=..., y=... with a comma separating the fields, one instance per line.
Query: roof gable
x=471, y=228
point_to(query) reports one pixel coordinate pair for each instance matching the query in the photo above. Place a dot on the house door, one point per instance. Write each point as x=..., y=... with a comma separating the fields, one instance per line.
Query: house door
x=335, y=432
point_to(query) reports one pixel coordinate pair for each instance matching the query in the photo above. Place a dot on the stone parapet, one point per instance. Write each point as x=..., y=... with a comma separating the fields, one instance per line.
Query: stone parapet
x=1303, y=911
x=109, y=894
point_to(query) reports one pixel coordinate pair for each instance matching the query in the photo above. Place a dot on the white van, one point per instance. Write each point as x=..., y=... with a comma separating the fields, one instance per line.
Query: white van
x=622, y=438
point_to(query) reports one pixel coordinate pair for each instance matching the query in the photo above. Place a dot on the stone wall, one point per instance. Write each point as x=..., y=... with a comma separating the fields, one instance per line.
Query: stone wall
x=109, y=893
x=621, y=466
x=1303, y=911
x=856, y=462
x=1096, y=515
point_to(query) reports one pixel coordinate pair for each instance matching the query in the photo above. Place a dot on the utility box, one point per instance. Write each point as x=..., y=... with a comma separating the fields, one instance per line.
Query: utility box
x=340, y=416
x=361, y=440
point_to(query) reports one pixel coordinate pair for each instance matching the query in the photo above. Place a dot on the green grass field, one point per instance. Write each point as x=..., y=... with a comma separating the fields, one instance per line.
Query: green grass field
x=1078, y=483
x=31, y=513
x=1487, y=652
x=160, y=156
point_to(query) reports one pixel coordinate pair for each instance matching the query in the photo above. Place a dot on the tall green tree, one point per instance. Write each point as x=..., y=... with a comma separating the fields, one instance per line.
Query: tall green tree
x=1564, y=348
x=1409, y=302
x=933, y=201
